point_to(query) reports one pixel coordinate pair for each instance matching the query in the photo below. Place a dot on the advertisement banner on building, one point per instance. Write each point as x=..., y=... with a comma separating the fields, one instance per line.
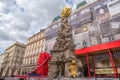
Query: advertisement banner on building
x=82, y=40
x=110, y=27
x=49, y=44
x=102, y=13
x=81, y=17
x=97, y=5
x=114, y=7
x=52, y=31
x=85, y=15
x=79, y=29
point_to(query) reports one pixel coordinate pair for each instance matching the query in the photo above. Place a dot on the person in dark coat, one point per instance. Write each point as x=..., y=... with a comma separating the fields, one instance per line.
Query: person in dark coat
x=21, y=79
x=85, y=70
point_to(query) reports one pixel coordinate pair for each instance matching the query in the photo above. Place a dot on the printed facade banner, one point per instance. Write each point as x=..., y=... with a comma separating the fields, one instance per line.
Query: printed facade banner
x=110, y=27
x=114, y=7
x=102, y=13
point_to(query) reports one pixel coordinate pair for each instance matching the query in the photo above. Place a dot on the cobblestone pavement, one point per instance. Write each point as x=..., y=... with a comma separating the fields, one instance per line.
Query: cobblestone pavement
x=9, y=78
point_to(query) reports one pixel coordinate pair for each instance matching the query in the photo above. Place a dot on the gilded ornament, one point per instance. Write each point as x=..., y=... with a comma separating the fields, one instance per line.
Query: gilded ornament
x=66, y=12
x=73, y=68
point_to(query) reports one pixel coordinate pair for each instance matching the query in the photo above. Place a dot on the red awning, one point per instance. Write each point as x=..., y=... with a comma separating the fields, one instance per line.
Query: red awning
x=109, y=45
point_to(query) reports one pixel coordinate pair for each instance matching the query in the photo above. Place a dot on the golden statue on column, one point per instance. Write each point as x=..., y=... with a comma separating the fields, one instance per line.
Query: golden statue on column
x=63, y=62
x=66, y=12
x=73, y=69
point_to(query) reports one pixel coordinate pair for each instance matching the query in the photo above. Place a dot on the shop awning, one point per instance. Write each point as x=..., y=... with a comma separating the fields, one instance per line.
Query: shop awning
x=109, y=45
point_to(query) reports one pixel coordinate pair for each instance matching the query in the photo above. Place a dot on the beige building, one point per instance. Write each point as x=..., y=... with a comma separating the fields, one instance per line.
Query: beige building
x=13, y=58
x=1, y=61
x=35, y=45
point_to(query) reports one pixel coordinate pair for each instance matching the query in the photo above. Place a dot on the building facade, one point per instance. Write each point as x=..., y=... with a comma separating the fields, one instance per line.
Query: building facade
x=1, y=61
x=90, y=25
x=51, y=34
x=94, y=24
x=13, y=58
x=35, y=45
x=103, y=28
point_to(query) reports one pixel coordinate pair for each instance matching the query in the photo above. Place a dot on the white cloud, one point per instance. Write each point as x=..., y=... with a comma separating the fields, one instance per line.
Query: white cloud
x=19, y=19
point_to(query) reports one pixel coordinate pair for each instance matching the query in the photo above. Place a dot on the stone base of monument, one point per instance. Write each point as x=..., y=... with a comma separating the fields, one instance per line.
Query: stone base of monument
x=87, y=79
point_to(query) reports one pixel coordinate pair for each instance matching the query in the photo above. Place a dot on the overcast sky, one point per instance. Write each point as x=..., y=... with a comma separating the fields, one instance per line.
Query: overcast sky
x=20, y=19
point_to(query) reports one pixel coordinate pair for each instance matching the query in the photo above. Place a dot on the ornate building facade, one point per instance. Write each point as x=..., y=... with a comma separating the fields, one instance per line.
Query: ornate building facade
x=94, y=24
x=88, y=24
x=35, y=45
x=13, y=58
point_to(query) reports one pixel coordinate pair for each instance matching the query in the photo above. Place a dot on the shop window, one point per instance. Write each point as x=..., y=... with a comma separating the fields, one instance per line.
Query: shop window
x=111, y=38
x=117, y=61
x=105, y=63
x=98, y=40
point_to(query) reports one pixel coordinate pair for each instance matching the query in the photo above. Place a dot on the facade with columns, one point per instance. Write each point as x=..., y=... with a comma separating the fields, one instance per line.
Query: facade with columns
x=35, y=45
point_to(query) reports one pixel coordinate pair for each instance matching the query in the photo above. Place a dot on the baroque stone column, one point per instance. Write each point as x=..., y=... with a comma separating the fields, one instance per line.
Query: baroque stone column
x=63, y=50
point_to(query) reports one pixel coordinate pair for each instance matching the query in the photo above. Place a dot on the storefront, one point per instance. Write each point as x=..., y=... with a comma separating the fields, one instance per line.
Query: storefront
x=102, y=60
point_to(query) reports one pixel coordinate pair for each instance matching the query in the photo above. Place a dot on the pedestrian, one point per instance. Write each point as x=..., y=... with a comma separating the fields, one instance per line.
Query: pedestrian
x=84, y=44
x=85, y=70
x=2, y=79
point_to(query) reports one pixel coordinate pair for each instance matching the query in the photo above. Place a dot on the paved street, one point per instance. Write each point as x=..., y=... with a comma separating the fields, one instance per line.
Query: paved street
x=65, y=79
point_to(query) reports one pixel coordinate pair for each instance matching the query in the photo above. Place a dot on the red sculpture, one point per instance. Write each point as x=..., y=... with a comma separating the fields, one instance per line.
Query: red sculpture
x=42, y=68
x=42, y=65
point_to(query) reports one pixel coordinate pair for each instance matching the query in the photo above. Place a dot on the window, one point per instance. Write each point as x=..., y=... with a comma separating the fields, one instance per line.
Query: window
x=98, y=40
x=37, y=44
x=36, y=50
x=105, y=62
x=111, y=38
x=74, y=15
x=41, y=34
x=35, y=37
x=39, y=49
x=84, y=43
x=71, y=17
x=117, y=61
x=43, y=48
